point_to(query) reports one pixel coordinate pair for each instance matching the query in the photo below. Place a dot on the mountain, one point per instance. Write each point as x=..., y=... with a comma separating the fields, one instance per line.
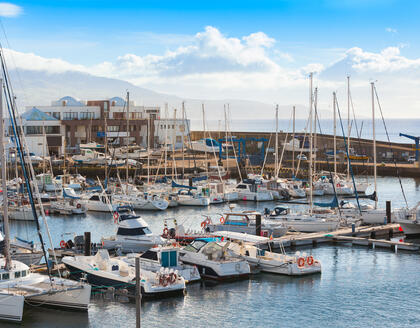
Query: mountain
x=34, y=88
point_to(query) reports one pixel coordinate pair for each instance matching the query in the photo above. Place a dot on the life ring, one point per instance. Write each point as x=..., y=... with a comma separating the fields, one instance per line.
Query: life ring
x=165, y=231
x=208, y=221
x=116, y=216
x=166, y=281
x=78, y=206
x=310, y=260
x=222, y=220
x=301, y=262
x=203, y=224
x=63, y=244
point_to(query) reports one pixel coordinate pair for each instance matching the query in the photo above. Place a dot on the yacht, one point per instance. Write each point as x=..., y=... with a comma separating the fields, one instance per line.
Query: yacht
x=212, y=260
x=407, y=218
x=103, y=271
x=248, y=190
x=166, y=258
x=244, y=222
x=143, y=201
x=67, y=206
x=133, y=233
x=206, y=145
x=278, y=263
x=191, y=198
x=97, y=202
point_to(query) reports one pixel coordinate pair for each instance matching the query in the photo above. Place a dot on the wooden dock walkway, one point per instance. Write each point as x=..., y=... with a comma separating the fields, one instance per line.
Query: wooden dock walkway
x=364, y=236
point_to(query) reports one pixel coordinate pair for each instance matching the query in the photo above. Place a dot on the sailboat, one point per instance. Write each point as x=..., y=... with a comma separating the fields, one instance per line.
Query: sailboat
x=18, y=285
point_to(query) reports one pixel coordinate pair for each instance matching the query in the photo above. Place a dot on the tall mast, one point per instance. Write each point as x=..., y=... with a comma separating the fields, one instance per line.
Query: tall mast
x=204, y=137
x=148, y=148
x=4, y=186
x=372, y=84
x=315, y=118
x=293, y=144
x=226, y=141
x=335, y=139
x=173, y=147
x=183, y=130
x=310, y=142
x=348, y=126
x=166, y=137
x=276, y=158
x=128, y=137
x=106, y=147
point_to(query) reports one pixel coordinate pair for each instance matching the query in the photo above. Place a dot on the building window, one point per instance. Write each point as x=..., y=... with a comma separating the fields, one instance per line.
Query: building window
x=70, y=116
x=132, y=128
x=52, y=130
x=34, y=130
x=56, y=115
x=178, y=139
x=119, y=115
x=105, y=106
x=136, y=115
x=113, y=128
x=87, y=115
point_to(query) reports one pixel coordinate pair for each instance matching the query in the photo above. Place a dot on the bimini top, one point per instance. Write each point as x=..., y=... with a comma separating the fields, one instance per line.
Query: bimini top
x=35, y=114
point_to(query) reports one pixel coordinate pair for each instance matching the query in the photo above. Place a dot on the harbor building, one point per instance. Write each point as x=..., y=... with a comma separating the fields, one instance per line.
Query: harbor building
x=70, y=122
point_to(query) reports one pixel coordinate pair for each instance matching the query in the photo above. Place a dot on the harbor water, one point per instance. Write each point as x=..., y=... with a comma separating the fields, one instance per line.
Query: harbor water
x=358, y=287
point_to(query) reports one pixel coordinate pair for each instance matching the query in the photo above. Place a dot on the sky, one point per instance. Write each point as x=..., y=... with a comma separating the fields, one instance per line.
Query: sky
x=252, y=50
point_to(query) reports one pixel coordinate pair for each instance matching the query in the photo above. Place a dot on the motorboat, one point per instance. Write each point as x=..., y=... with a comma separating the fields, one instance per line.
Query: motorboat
x=244, y=222
x=166, y=258
x=133, y=233
x=69, y=181
x=19, y=286
x=212, y=260
x=97, y=202
x=67, y=206
x=408, y=220
x=143, y=201
x=278, y=263
x=102, y=271
x=249, y=190
x=191, y=198
x=305, y=222
x=45, y=183
x=22, y=212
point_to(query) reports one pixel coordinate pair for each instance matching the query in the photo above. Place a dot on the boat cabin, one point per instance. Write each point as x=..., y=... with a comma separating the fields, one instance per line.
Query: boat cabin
x=167, y=257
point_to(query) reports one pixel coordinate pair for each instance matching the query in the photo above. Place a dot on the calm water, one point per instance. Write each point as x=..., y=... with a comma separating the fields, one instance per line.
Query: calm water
x=358, y=287
x=364, y=126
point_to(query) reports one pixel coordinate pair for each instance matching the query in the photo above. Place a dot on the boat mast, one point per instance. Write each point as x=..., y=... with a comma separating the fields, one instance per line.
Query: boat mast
x=335, y=138
x=372, y=84
x=310, y=142
x=293, y=143
x=315, y=118
x=173, y=147
x=166, y=137
x=348, y=126
x=183, y=130
x=204, y=138
x=128, y=137
x=148, y=148
x=4, y=187
x=276, y=155
x=226, y=141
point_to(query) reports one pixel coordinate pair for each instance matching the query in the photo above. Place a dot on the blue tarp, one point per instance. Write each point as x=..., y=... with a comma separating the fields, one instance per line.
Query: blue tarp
x=195, y=179
x=332, y=204
x=176, y=185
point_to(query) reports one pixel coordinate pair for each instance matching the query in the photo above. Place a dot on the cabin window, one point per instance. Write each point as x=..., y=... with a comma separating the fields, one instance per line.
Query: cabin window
x=195, y=246
x=241, y=187
x=17, y=274
x=150, y=255
x=131, y=232
x=24, y=273
x=94, y=198
x=5, y=276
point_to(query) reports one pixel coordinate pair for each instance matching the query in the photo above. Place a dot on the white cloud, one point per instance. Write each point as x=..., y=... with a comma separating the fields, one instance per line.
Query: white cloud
x=391, y=30
x=214, y=66
x=9, y=10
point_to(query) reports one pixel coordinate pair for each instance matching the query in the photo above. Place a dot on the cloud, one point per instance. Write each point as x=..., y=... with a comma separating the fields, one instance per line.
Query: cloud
x=391, y=30
x=252, y=67
x=9, y=10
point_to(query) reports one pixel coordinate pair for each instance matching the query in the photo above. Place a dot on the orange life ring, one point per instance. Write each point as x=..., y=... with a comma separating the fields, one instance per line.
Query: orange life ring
x=301, y=262
x=222, y=220
x=310, y=260
x=203, y=224
x=63, y=244
x=165, y=231
x=116, y=216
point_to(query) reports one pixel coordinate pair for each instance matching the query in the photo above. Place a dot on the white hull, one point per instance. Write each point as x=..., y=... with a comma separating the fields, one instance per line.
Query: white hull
x=410, y=227
x=11, y=307
x=190, y=201
x=255, y=196
x=316, y=226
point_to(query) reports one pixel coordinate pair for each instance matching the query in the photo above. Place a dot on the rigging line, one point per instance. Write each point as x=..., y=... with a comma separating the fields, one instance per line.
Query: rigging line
x=358, y=132
x=303, y=147
x=11, y=110
x=389, y=141
x=328, y=162
x=266, y=153
x=284, y=145
x=347, y=152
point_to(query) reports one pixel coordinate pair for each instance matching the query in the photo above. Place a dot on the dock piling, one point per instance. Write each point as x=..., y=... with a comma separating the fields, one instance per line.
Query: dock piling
x=388, y=211
x=258, y=225
x=87, y=244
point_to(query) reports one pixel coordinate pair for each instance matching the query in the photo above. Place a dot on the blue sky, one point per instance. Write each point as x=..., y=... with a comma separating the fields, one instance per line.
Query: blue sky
x=66, y=28
x=256, y=50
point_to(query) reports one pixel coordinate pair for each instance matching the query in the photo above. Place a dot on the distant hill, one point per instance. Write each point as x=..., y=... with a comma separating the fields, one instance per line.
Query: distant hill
x=40, y=88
